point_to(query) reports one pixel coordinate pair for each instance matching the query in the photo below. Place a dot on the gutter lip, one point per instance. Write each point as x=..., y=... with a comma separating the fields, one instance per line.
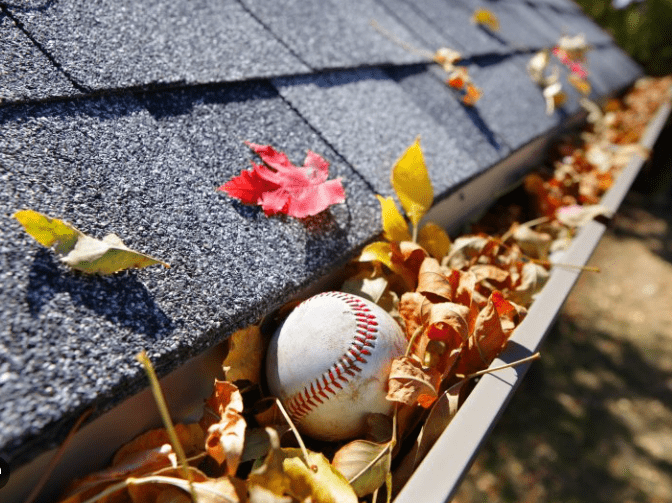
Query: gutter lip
x=438, y=476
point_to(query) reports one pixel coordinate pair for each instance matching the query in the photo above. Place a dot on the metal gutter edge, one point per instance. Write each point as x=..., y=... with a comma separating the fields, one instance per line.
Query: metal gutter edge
x=438, y=476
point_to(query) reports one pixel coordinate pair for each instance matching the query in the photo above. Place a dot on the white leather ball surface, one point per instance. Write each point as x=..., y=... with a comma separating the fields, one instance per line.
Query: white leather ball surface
x=329, y=362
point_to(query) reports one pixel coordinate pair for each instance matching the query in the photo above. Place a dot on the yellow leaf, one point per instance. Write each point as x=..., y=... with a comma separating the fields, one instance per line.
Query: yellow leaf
x=322, y=483
x=380, y=251
x=84, y=253
x=394, y=226
x=246, y=352
x=412, y=184
x=581, y=85
x=49, y=231
x=485, y=17
x=435, y=240
x=365, y=464
x=284, y=473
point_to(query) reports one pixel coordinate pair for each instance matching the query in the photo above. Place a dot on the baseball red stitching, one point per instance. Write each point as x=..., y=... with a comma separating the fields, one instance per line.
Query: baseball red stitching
x=321, y=389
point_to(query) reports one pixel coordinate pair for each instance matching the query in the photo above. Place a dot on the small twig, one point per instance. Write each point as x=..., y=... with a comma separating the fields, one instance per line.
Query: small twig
x=296, y=434
x=411, y=341
x=404, y=45
x=535, y=356
x=167, y=421
x=57, y=457
x=530, y=223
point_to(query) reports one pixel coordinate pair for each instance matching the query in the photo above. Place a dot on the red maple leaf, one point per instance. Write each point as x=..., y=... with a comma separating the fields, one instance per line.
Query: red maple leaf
x=278, y=186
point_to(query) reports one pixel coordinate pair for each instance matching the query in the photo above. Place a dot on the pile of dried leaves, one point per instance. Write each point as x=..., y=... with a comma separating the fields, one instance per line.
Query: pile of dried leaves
x=458, y=303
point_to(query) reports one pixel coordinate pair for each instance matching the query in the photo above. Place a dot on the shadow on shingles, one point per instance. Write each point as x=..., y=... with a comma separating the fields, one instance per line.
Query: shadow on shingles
x=120, y=298
x=161, y=103
x=481, y=125
x=335, y=77
x=164, y=104
x=492, y=35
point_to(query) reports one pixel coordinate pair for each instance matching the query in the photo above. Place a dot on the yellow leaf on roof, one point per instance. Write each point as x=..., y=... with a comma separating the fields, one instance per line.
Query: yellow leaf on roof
x=487, y=18
x=412, y=184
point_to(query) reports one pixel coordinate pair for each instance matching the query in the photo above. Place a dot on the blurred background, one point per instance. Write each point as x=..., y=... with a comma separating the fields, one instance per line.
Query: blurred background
x=592, y=421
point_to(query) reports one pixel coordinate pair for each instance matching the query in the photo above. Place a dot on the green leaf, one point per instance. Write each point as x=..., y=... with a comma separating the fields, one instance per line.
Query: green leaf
x=84, y=253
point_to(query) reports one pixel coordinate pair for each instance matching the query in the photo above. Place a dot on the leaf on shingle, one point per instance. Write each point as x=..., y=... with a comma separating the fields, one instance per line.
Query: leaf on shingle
x=278, y=186
x=83, y=253
x=487, y=18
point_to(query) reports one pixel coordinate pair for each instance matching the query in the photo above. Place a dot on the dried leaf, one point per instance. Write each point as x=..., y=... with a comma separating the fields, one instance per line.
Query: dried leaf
x=465, y=250
x=221, y=490
x=322, y=483
x=533, y=278
x=278, y=186
x=364, y=464
x=410, y=310
x=533, y=243
x=447, y=57
x=395, y=227
x=270, y=474
x=435, y=240
x=245, y=356
x=440, y=416
x=364, y=286
x=389, y=255
x=191, y=437
x=487, y=18
x=226, y=437
x=448, y=322
x=410, y=383
x=458, y=78
x=579, y=83
x=412, y=184
x=284, y=473
x=84, y=253
x=488, y=338
x=472, y=95
x=555, y=97
x=434, y=283
x=578, y=216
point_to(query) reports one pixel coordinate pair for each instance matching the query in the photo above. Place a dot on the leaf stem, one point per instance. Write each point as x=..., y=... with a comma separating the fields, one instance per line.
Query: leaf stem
x=411, y=341
x=297, y=435
x=535, y=356
x=404, y=45
x=167, y=421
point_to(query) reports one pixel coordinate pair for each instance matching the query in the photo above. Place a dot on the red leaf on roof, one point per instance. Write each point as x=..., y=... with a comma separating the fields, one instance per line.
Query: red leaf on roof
x=278, y=186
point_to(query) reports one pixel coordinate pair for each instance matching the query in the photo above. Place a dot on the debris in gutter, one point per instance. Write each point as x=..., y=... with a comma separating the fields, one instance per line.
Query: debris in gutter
x=458, y=303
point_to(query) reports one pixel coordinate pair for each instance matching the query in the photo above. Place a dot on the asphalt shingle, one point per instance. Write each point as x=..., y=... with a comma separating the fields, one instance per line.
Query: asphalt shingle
x=25, y=72
x=335, y=34
x=124, y=43
x=146, y=169
x=367, y=117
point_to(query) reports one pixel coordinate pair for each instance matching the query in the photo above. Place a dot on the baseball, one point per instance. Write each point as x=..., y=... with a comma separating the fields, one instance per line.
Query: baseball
x=328, y=363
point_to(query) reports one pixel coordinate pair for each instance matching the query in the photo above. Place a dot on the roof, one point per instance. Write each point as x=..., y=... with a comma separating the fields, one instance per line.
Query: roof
x=123, y=116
